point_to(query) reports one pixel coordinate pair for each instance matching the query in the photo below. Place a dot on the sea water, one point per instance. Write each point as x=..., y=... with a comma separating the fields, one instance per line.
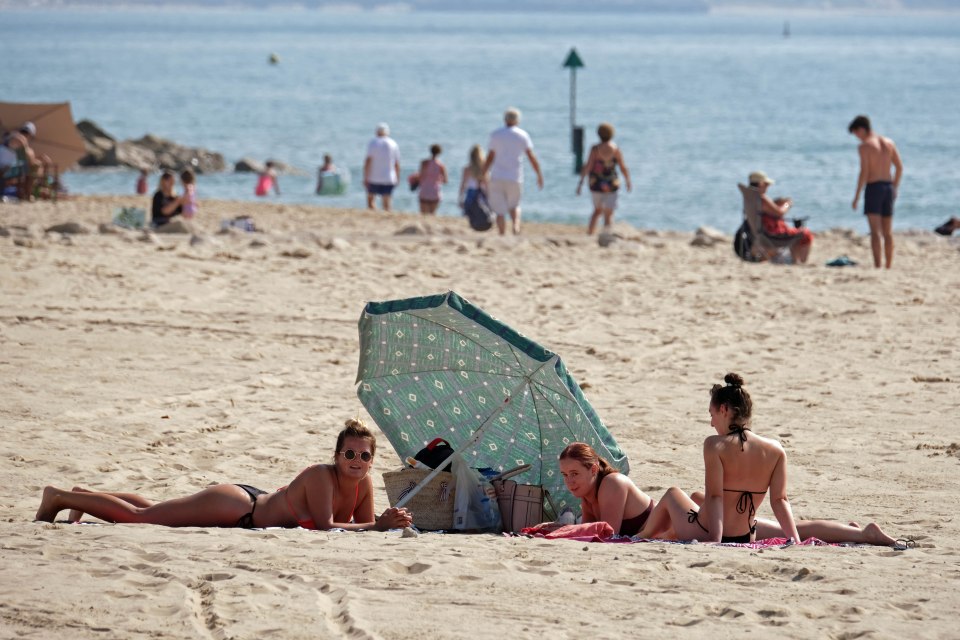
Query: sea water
x=698, y=101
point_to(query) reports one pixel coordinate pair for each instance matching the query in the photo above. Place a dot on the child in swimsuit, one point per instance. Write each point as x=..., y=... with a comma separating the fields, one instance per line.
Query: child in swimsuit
x=741, y=468
x=605, y=494
x=341, y=496
x=267, y=180
x=189, y=197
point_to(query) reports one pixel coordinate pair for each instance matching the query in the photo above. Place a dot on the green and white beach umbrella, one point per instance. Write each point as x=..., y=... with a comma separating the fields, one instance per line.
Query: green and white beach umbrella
x=440, y=367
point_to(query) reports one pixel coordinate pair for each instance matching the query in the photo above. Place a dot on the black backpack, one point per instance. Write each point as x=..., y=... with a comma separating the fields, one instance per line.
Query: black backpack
x=478, y=211
x=743, y=242
x=434, y=453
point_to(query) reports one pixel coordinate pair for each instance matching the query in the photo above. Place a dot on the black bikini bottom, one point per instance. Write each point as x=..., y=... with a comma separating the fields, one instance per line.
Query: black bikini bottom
x=246, y=521
x=745, y=538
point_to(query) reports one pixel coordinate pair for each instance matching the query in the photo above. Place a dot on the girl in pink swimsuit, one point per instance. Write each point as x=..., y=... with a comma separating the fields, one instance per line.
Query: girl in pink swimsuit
x=267, y=180
x=323, y=496
x=433, y=174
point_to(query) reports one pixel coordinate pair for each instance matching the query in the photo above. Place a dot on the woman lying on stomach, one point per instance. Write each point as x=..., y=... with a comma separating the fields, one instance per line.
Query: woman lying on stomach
x=323, y=496
x=605, y=494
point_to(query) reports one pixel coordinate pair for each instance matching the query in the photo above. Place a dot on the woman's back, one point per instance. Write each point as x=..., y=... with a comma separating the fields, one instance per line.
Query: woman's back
x=748, y=463
x=431, y=177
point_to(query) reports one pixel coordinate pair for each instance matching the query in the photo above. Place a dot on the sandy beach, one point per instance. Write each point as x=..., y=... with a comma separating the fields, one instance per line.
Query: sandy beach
x=164, y=363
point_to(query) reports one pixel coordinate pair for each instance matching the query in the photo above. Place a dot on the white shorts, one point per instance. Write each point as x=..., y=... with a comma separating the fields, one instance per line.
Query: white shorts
x=504, y=195
x=604, y=199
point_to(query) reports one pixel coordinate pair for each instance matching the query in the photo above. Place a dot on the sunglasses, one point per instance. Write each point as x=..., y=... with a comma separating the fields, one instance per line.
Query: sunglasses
x=350, y=454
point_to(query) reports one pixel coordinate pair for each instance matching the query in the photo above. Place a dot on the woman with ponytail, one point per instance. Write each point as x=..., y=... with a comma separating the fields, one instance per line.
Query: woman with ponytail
x=605, y=494
x=735, y=459
x=741, y=467
x=323, y=496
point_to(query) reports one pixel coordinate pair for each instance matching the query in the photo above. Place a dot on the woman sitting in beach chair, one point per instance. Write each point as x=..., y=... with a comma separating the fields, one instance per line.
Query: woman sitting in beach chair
x=323, y=496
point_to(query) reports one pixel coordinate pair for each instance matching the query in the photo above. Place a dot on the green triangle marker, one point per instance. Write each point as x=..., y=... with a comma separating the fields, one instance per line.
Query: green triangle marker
x=573, y=60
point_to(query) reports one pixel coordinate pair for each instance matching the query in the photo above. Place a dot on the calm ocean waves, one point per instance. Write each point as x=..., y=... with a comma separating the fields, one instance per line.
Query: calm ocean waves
x=698, y=100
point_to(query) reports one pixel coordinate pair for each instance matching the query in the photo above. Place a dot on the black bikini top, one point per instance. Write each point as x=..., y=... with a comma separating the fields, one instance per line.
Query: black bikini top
x=741, y=432
x=745, y=503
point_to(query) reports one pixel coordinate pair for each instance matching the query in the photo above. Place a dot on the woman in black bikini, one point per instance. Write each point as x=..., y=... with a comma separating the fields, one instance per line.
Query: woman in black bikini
x=323, y=496
x=741, y=467
x=605, y=494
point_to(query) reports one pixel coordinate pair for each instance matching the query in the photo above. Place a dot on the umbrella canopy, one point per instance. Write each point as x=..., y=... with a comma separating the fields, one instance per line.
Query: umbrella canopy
x=439, y=366
x=57, y=134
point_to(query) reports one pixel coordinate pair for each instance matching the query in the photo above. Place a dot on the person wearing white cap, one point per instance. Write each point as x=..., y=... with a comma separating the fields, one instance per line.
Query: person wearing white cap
x=773, y=220
x=381, y=168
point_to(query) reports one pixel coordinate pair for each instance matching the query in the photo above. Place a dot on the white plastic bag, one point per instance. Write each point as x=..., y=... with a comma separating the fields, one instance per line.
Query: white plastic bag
x=475, y=505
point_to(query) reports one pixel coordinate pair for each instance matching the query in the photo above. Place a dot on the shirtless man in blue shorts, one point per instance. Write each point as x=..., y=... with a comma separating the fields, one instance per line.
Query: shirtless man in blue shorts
x=877, y=154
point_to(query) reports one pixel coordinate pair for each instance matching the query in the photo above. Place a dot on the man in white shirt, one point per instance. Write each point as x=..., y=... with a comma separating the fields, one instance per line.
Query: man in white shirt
x=381, y=169
x=508, y=145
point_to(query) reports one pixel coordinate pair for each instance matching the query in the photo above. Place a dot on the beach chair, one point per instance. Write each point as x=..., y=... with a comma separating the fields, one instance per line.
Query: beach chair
x=751, y=242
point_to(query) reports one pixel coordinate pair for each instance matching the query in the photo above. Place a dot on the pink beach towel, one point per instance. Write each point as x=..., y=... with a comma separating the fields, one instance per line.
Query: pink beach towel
x=603, y=532
x=586, y=532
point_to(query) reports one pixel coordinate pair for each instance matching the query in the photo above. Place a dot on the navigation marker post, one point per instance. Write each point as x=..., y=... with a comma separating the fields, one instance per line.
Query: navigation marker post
x=573, y=62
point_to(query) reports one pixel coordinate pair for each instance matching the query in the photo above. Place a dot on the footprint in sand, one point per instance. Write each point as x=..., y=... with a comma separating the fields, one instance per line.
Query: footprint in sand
x=403, y=569
x=805, y=574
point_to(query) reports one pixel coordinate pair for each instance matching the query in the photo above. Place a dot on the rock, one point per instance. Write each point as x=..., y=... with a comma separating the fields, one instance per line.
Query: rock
x=90, y=130
x=708, y=236
x=128, y=154
x=605, y=239
x=409, y=532
x=150, y=151
x=197, y=240
x=178, y=157
x=338, y=244
x=413, y=230
x=70, y=228
x=710, y=232
x=282, y=167
x=299, y=252
x=175, y=226
x=248, y=165
x=97, y=141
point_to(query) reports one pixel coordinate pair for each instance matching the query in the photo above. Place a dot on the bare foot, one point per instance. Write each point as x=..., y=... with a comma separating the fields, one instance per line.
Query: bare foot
x=76, y=515
x=48, y=505
x=873, y=534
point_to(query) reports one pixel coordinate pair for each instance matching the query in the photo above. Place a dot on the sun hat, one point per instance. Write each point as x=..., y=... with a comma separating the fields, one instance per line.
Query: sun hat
x=28, y=128
x=759, y=177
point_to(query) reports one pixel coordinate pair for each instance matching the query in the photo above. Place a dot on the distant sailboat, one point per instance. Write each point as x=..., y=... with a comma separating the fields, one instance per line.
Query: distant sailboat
x=786, y=28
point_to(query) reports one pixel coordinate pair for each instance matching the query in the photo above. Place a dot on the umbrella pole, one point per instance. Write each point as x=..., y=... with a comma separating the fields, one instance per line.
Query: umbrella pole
x=475, y=438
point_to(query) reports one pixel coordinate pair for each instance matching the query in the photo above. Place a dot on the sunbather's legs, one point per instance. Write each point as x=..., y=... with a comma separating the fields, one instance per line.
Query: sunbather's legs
x=133, y=498
x=217, y=506
x=671, y=513
x=826, y=530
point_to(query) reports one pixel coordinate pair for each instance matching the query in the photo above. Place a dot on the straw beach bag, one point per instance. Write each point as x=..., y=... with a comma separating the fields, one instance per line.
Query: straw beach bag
x=432, y=506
